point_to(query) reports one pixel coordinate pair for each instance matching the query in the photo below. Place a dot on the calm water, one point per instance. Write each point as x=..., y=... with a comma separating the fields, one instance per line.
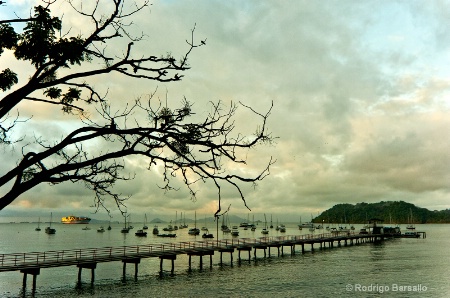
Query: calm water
x=395, y=268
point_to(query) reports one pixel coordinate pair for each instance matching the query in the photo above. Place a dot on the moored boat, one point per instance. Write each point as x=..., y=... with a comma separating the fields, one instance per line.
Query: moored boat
x=410, y=234
x=125, y=229
x=410, y=226
x=194, y=231
x=49, y=229
x=243, y=224
x=169, y=228
x=306, y=225
x=38, y=228
x=140, y=233
x=145, y=227
x=207, y=234
x=184, y=225
x=265, y=231
x=71, y=219
x=167, y=235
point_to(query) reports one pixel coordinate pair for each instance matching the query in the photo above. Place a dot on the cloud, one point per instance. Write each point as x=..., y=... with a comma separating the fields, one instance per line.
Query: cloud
x=360, y=101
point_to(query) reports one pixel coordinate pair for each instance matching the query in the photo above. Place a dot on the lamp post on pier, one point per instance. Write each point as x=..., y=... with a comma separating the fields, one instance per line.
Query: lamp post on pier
x=217, y=229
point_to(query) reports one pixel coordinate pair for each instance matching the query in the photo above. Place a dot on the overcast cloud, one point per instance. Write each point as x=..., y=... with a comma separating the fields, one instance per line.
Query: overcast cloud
x=360, y=92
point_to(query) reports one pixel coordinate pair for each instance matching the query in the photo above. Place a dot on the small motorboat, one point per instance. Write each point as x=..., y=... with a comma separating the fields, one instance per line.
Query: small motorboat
x=194, y=231
x=167, y=235
x=141, y=233
x=207, y=234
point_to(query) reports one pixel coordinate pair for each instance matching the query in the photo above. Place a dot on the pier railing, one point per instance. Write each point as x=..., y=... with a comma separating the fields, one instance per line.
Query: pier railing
x=18, y=261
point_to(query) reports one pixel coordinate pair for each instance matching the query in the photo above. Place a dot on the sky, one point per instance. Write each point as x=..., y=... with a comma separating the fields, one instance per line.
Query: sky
x=360, y=93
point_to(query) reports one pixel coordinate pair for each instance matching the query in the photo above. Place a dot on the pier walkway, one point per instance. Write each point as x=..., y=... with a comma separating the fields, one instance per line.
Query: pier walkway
x=32, y=262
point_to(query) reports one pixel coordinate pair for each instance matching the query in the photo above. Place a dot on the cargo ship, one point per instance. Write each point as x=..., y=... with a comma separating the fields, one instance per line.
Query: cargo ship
x=75, y=220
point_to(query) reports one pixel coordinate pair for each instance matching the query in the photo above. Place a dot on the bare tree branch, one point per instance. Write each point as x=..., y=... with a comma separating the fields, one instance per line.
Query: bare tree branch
x=194, y=150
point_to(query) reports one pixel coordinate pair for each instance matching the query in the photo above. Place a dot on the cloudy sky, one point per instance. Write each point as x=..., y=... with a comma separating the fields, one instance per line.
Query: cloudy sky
x=360, y=92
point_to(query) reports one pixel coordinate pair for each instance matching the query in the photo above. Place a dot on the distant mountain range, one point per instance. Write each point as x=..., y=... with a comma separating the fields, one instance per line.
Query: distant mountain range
x=395, y=212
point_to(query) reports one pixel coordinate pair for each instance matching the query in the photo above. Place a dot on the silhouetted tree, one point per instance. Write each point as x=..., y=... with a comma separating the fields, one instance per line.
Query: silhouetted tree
x=194, y=150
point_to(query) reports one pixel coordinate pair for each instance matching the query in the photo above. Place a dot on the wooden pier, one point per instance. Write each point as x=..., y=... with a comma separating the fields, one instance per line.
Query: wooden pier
x=32, y=262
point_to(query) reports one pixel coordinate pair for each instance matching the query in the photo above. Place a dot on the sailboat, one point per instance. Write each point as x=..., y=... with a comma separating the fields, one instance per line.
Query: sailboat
x=253, y=224
x=125, y=228
x=109, y=227
x=234, y=231
x=300, y=226
x=145, y=227
x=176, y=219
x=282, y=228
x=271, y=225
x=38, y=227
x=206, y=233
x=169, y=227
x=311, y=227
x=184, y=225
x=194, y=230
x=410, y=226
x=204, y=228
x=265, y=231
x=225, y=227
x=129, y=223
x=49, y=229
x=246, y=227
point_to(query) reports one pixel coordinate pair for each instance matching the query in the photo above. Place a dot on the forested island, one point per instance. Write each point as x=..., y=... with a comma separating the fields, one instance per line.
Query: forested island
x=393, y=212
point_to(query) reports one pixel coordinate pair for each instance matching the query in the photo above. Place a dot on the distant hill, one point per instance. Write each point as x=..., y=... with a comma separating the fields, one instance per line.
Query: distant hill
x=395, y=212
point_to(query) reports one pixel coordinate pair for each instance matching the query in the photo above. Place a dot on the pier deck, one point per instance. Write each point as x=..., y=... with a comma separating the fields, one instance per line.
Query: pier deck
x=47, y=259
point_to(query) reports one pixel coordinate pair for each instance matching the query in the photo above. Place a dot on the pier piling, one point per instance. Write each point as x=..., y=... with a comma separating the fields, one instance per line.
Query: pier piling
x=134, y=261
x=201, y=253
x=245, y=248
x=230, y=250
x=91, y=266
x=32, y=271
x=171, y=257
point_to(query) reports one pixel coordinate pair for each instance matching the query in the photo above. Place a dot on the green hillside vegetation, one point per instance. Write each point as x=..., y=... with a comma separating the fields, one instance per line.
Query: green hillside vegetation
x=394, y=212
